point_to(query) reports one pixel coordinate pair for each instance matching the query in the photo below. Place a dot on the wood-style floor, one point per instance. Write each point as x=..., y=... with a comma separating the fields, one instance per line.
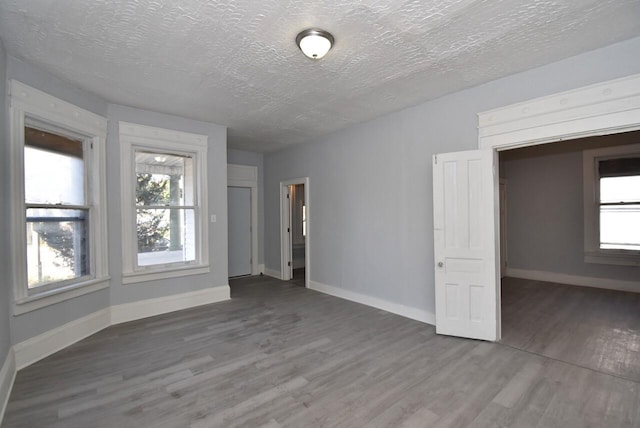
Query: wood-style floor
x=589, y=327
x=278, y=354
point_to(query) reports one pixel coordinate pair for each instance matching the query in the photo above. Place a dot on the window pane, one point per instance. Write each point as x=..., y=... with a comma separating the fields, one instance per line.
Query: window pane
x=53, y=169
x=620, y=189
x=165, y=236
x=620, y=227
x=57, y=247
x=163, y=179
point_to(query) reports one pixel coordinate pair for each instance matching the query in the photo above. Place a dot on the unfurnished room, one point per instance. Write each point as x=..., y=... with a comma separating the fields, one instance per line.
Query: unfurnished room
x=302, y=213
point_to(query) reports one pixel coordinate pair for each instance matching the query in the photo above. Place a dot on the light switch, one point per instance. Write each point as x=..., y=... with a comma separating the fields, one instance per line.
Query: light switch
x=213, y=218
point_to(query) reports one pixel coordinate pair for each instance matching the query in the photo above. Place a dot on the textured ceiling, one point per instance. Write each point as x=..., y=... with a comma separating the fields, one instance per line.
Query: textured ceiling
x=236, y=63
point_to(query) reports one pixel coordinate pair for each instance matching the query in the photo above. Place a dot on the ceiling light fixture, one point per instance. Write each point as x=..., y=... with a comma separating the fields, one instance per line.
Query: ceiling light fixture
x=314, y=43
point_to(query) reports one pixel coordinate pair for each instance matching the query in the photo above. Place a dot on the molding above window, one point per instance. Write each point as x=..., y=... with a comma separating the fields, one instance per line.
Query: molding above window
x=591, y=197
x=27, y=103
x=52, y=109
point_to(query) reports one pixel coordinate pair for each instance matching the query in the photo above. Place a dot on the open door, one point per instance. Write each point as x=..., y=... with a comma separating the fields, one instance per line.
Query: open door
x=466, y=263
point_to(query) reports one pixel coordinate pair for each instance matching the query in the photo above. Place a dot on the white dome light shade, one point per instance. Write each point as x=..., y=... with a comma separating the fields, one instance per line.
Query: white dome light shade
x=314, y=43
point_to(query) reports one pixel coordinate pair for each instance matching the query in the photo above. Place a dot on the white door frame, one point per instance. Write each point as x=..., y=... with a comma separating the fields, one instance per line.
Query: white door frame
x=247, y=176
x=285, y=236
x=602, y=109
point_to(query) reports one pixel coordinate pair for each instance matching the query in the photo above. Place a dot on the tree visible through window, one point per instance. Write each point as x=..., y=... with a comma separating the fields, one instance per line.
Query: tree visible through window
x=165, y=208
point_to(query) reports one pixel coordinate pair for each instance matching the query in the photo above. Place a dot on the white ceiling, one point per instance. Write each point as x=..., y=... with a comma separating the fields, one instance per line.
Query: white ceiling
x=235, y=63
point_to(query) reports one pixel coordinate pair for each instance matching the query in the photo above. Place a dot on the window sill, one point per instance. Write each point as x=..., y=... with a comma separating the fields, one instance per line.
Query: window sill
x=620, y=259
x=163, y=273
x=51, y=297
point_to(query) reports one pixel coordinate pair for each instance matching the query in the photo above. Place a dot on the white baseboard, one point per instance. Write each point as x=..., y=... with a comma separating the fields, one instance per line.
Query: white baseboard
x=7, y=376
x=45, y=344
x=583, y=281
x=273, y=273
x=260, y=270
x=395, y=308
x=162, y=305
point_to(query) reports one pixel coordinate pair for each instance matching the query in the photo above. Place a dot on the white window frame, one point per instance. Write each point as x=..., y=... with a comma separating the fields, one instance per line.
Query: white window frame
x=140, y=137
x=592, y=251
x=27, y=102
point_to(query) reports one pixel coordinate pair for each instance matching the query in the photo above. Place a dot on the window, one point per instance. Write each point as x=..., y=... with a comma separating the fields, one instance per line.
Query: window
x=164, y=203
x=612, y=205
x=59, y=215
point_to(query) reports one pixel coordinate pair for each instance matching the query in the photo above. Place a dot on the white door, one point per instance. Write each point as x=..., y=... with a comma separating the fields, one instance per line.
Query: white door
x=239, y=206
x=465, y=202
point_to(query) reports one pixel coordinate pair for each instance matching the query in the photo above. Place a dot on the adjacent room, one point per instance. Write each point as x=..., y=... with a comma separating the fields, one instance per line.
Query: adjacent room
x=319, y=214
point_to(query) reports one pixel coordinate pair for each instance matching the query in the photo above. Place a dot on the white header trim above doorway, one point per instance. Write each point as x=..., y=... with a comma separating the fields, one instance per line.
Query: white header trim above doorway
x=604, y=108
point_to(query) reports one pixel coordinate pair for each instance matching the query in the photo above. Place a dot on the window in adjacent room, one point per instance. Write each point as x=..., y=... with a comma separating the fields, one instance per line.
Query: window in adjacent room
x=164, y=203
x=612, y=205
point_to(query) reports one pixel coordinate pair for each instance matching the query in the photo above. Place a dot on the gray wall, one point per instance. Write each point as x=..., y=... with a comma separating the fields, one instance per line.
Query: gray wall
x=370, y=185
x=42, y=320
x=241, y=157
x=5, y=250
x=217, y=187
x=545, y=210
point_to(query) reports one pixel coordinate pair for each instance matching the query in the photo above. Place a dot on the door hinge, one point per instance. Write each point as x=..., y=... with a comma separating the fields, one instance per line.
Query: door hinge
x=288, y=263
x=435, y=159
x=287, y=196
x=288, y=230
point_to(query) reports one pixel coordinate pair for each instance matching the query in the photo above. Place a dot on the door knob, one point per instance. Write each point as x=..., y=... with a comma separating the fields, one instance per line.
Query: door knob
x=440, y=264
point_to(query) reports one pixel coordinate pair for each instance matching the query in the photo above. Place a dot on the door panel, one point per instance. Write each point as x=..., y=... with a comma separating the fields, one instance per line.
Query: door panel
x=465, y=202
x=239, y=203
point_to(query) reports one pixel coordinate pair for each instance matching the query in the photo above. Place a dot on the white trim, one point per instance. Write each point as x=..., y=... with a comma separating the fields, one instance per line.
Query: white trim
x=30, y=102
x=604, y=108
x=375, y=302
x=156, y=274
x=7, y=378
x=154, y=135
x=56, y=339
x=273, y=273
x=162, y=305
x=53, y=109
x=583, y=281
x=133, y=136
x=58, y=295
x=247, y=176
x=285, y=241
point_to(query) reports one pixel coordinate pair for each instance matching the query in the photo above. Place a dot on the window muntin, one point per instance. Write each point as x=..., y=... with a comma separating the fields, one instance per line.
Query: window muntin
x=56, y=209
x=165, y=208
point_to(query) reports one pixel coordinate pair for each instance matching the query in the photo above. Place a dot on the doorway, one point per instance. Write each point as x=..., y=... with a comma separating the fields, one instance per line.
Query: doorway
x=242, y=208
x=601, y=109
x=294, y=198
x=239, y=209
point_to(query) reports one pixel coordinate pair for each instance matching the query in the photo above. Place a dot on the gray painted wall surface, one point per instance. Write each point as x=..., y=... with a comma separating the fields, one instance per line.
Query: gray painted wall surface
x=241, y=157
x=42, y=320
x=371, y=211
x=5, y=249
x=545, y=211
x=217, y=187
x=33, y=323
